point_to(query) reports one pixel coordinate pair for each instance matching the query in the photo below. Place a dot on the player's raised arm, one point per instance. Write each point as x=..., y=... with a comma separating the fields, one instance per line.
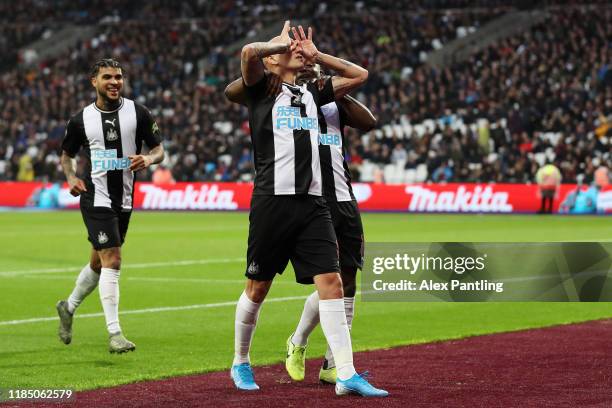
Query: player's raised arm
x=358, y=116
x=250, y=62
x=349, y=76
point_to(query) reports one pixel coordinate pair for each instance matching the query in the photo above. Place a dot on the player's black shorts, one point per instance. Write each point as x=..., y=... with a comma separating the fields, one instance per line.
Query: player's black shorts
x=349, y=231
x=290, y=228
x=106, y=227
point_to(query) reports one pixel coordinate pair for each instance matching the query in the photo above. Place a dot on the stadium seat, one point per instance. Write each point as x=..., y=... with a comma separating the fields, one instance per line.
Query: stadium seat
x=226, y=159
x=421, y=173
x=389, y=174
x=367, y=171
x=410, y=176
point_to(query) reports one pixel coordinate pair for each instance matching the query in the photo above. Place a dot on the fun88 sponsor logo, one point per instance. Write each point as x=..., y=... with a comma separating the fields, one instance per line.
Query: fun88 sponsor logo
x=105, y=160
x=329, y=139
x=288, y=117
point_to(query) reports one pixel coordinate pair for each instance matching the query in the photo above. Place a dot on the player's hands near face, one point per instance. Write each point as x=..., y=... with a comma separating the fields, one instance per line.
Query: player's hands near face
x=77, y=186
x=309, y=50
x=274, y=84
x=291, y=43
x=139, y=162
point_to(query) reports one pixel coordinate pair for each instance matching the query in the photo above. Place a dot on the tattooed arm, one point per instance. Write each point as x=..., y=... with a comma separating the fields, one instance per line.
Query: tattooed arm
x=77, y=186
x=250, y=63
x=142, y=161
x=349, y=76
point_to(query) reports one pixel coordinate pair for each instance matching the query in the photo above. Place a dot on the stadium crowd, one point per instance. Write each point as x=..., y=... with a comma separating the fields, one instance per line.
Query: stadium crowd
x=545, y=95
x=542, y=95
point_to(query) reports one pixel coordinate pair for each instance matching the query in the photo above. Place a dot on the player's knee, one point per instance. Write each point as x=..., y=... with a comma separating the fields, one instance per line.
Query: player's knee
x=111, y=259
x=257, y=291
x=96, y=266
x=329, y=286
x=115, y=263
x=94, y=261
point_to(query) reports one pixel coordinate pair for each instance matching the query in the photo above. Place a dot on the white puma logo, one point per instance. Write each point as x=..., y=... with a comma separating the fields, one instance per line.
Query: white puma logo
x=111, y=122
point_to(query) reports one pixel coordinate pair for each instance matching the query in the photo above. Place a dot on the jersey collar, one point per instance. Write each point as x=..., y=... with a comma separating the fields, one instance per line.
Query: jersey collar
x=293, y=87
x=111, y=111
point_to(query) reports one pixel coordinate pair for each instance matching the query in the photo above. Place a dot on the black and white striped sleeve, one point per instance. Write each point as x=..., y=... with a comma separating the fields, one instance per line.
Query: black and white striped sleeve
x=75, y=135
x=146, y=127
x=324, y=95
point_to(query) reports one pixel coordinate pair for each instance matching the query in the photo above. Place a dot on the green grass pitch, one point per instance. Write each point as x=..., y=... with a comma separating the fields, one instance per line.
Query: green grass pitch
x=182, y=273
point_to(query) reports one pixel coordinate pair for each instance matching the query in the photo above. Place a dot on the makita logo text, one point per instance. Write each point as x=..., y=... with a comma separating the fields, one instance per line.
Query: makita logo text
x=105, y=160
x=329, y=139
x=206, y=198
x=479, y=200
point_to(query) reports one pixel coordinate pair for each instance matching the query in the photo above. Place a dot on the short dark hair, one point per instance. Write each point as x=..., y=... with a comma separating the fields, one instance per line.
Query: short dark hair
x=104, y=63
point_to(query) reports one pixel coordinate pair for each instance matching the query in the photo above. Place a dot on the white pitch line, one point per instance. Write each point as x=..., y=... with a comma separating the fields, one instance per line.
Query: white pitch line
x=188, y=262
x=144, y=230
x=198, y=280
x=144, y=311
x=154, y=279
x=190, y=280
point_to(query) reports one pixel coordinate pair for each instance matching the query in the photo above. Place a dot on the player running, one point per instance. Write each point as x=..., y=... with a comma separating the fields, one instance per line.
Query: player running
x=289, y=219
x=112, y=131
x=338, y=193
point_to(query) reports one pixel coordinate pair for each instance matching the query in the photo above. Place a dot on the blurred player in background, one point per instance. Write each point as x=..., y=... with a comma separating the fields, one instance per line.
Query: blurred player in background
x=112, y=131
x=338, y=193
x=289, y=220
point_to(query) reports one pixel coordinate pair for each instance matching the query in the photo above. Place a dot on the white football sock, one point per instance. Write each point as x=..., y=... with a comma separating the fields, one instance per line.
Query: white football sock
x=349, y=310
x=247, y=313
x=85, y=284
x=308, y=320
x=335, y=328
x=109, y=296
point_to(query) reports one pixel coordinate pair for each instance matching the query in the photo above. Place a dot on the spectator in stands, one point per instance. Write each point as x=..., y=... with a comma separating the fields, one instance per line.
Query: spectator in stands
x=399, y=154
x=443, y=173
x=162, y=175
x=602, y=177
x=548, y=178
x=26, y=170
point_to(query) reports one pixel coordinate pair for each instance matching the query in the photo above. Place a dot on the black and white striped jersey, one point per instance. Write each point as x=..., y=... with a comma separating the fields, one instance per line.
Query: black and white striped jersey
x=332, y=149
x=108, y=139
x=285, y=133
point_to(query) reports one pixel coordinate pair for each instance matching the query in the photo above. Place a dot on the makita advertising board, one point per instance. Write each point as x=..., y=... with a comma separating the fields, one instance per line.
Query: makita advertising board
x=419, y=198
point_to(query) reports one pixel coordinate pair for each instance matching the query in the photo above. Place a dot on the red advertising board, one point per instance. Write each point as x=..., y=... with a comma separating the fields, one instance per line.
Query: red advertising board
x=451, y=197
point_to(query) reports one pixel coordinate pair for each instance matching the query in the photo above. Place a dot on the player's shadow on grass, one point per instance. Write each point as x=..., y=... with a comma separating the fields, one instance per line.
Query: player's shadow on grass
x=90, y=363
x=29, y=352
